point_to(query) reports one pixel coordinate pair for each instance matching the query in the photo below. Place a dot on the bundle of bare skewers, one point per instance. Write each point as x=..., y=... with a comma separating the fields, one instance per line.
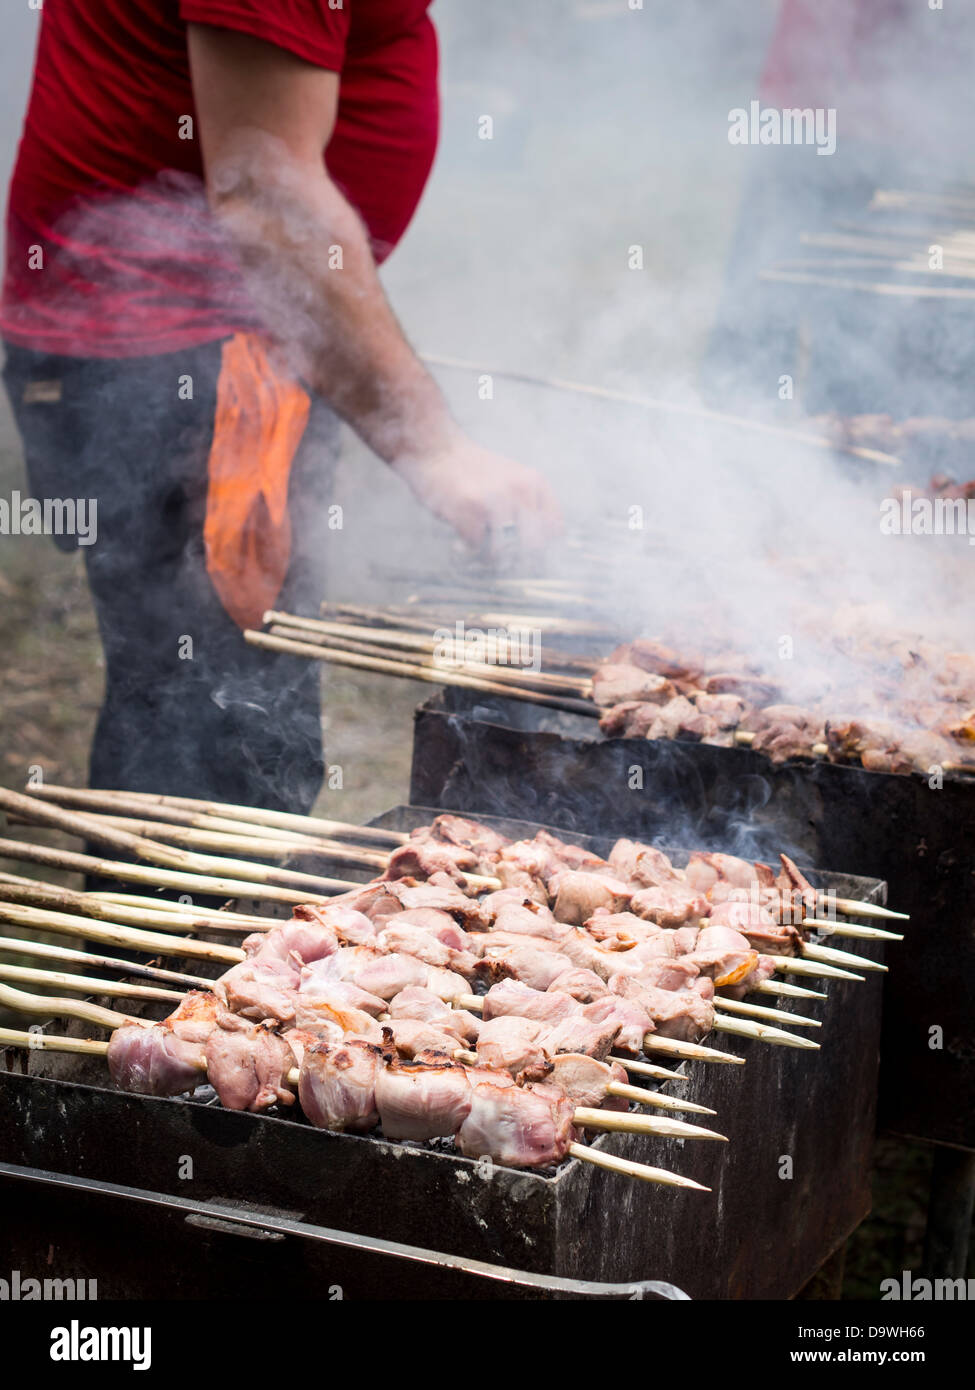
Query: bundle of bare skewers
x=366, y=1000
x=917, y=715
x=907, y=243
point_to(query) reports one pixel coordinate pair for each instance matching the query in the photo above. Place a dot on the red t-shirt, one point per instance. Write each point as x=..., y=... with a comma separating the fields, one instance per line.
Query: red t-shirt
x=111, y=191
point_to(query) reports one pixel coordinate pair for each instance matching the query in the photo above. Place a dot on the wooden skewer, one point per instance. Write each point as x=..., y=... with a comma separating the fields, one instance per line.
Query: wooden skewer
x=629, y=1169
x=242, y=922
x=761, y=1032
x=841, y=282
x=136, y=807
x=788, y=991
x=49, y=1007
x=423, y=622
x=251, y=815
x=830, y=928
x=38, y=812
x=821, y=750
x=49, y=1042
x=812, y=951
x=631, y=1093
x=156, y=877
x=568, y=687
x=88, y=905
x=88, y=929
x=201, y=830
x=655, y=1098
x=621, y=1122
x=665, y=407
x=52, y=1042
x=790, y=965
x=85, y=984
x=420, y=641
x=225, y=843
x=221, y=841
x=852, y=907
x=433, y=676
x=649, y=1070
x=669, y=1047
x=735, y=1006
x=43, y=950
x=624, y=1122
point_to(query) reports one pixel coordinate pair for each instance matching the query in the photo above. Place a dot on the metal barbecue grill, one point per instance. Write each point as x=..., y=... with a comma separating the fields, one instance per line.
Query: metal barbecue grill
x=95, y=1174
x=493, y=755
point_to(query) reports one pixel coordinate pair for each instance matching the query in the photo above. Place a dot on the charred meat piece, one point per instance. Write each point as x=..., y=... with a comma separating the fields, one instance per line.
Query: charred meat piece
x=467, y=834
x=337, y=1086
x=514, y=1044
x=440, y=893
x=412, y=1038
x=643, y=864
x=248, y=1064
x=617, y=684
x=333, y=1009
x=785, y=731
x=531, y=962
x=351, y=927
x=630, y=1020
x=724, y=955
x=302, y=938
x=569, y=856
x=797, y=895
x=621, y=931
x=680, y=1014
x=418, y=942
x=578, y=894
x=578, y=1033
x=421, y=1100
x=437, y=923
x=492, y=903
x=583, y=985
x=523, y=1127
x=425, y=1007
x=260, y=988
x=529, y=920
x=513, y=997
x=660, y=660
x=764, y=970
x=727, y=711
x=764, y=934
x=418, y=859
x=154, y=1061
x=750, y=689
x=317, y=983
x=585, y=1080
x=630, y=719
x=671, y=906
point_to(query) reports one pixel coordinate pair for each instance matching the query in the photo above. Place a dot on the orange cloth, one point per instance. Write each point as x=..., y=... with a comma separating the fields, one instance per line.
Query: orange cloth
x=260, y=419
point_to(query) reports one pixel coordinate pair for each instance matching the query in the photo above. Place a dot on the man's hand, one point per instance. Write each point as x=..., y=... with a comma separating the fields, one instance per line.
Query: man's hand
x=499, y=507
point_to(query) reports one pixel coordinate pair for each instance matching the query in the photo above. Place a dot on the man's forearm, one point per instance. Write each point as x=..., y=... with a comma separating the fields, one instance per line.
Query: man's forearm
x=310, y=270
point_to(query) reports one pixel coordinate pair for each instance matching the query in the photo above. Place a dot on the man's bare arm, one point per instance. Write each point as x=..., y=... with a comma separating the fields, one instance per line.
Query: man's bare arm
x=265, y=118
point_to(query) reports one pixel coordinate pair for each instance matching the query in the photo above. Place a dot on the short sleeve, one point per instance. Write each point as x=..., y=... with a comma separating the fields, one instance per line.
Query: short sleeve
x=315, y=30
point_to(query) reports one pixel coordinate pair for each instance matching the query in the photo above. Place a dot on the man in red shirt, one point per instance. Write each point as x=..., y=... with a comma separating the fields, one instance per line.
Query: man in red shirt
x=202, y=194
